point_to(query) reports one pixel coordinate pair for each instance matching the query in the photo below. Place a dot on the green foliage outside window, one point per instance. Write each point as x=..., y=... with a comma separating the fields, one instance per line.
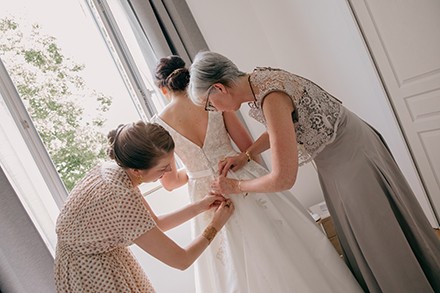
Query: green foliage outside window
x=67, y=114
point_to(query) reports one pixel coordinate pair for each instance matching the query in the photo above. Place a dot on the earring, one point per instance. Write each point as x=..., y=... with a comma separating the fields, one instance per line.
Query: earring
x=140, y=179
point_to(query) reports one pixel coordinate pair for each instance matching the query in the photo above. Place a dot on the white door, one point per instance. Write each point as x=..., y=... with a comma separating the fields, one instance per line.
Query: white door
x=404, y=40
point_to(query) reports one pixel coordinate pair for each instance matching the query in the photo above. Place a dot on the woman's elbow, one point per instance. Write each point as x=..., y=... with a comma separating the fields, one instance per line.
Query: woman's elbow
x=183, y=267
x=183, y=264
x=286, y=180
x=168, y=188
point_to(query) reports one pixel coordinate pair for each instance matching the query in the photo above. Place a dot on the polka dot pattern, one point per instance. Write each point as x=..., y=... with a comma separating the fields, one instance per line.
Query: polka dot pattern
x=102, y=216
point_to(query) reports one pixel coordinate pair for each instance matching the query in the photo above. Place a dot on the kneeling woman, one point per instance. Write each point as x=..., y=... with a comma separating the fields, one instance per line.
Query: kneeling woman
x=106, y=212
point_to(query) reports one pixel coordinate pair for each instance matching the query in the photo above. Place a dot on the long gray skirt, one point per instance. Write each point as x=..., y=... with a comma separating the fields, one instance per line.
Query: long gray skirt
x=387, y=241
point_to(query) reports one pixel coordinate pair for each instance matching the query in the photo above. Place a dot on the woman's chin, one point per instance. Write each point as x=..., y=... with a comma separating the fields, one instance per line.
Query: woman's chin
x=236, y=106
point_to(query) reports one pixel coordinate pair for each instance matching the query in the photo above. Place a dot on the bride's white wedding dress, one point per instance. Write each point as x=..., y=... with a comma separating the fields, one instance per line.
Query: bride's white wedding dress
x=270, y=244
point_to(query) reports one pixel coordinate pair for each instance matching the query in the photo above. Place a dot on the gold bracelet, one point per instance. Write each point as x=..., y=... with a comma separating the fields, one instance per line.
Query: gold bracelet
x=209, y=233
x=248, y=155
x=239, y=188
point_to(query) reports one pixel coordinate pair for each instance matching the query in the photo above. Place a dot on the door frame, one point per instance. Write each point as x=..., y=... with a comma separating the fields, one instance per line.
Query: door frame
x=379, y=62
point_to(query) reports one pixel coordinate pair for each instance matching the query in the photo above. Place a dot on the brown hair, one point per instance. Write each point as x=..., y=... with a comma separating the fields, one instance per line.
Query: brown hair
x=172, y=73
x=139, y=145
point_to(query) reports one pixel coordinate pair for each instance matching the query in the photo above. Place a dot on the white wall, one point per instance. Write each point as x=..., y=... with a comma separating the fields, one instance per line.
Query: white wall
x=318, y=40
x=164, y=278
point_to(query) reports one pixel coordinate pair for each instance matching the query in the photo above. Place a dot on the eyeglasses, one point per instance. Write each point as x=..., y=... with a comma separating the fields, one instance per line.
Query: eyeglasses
x=211, y=107
x=208, y=105
x=253, y=105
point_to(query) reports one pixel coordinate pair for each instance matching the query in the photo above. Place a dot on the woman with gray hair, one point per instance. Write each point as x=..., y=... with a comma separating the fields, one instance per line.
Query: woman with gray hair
x=271, y=243
x=387, y=241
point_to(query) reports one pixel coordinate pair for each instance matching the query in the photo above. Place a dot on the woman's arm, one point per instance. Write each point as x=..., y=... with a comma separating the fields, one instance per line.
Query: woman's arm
x=238, y=133
x=175, y=178
x=180, y=216
x=277, y=108
x=157, y=244
x=241, y=137
x=260, y=145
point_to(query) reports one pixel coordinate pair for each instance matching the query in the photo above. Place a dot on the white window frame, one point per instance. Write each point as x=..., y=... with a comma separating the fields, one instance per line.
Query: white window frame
x=42, y=209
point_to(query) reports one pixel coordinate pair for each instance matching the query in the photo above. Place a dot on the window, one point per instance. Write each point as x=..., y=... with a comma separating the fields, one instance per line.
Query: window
x=61, y=90
x=70, y=71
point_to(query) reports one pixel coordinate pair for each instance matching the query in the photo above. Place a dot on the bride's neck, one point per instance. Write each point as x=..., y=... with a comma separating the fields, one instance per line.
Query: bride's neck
x=178, y=96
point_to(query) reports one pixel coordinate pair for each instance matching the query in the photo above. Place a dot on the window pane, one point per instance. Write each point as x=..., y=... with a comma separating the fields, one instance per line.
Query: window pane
x=65, y=74
x=22, y=172
x=138, y=48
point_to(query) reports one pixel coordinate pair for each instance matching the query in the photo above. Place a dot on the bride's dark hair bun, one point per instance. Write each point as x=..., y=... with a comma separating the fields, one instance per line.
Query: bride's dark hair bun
x=172, y=73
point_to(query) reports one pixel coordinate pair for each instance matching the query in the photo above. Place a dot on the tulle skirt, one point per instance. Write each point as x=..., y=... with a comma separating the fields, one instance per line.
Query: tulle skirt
x=270, y=244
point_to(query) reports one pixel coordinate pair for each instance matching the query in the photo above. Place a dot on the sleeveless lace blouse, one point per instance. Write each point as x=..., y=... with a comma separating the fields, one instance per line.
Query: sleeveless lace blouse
x=316, y=115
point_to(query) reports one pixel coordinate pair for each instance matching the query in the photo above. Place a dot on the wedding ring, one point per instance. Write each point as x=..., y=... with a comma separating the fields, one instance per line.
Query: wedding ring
x=228, y=205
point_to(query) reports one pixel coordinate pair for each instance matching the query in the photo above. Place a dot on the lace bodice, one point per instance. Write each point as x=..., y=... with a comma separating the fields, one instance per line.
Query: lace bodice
x=316, y=114
x=216, y=145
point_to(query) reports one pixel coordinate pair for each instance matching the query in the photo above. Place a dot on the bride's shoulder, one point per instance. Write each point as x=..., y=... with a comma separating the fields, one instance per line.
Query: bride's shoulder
x=169, y=113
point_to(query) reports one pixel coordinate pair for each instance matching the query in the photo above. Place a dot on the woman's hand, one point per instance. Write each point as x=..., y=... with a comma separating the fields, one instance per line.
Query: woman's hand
x=233, y=163
x=210, y=200
x=159, y=245
x=225, y=185
x=222, y=214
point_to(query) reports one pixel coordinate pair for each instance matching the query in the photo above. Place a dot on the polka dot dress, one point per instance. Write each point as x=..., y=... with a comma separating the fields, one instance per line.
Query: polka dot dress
x=102, y=216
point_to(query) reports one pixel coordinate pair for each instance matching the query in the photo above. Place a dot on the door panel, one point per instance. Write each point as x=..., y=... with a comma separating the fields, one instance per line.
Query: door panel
x=404, y=41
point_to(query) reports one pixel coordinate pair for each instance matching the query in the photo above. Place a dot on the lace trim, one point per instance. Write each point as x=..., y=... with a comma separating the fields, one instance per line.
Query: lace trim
x=317, y=113
x=309, y=157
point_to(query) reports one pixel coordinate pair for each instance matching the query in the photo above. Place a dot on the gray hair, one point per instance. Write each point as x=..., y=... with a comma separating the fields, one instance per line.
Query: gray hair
x=207, y=69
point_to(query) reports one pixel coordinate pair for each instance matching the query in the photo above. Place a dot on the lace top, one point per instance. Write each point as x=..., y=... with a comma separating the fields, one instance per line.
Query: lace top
x=316, y=115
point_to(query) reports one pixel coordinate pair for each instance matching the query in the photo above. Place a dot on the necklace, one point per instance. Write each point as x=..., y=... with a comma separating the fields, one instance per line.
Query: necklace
x=253, y=104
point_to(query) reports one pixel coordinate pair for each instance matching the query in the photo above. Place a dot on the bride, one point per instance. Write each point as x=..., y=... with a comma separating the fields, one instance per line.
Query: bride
x=270, y=244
